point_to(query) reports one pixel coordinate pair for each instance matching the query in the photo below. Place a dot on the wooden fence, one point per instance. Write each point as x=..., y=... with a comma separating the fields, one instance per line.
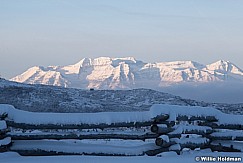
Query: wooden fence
x=192, y=132
x=5, y=141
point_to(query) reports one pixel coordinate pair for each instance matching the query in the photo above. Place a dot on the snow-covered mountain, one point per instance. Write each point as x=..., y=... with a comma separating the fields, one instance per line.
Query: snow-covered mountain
x=127, y=73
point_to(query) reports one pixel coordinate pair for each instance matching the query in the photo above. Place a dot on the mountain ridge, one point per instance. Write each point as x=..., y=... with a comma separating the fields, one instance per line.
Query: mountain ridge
x=129, y=73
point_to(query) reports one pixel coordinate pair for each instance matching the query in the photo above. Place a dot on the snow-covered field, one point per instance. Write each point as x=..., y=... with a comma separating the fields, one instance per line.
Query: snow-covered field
x=169, y=157
x=118, y=147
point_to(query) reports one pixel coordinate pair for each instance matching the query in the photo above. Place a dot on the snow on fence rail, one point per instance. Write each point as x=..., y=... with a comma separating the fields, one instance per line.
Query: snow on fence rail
x=171, y=128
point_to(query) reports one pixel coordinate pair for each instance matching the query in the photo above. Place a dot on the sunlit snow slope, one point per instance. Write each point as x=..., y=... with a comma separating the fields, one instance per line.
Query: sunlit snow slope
x=127, y=73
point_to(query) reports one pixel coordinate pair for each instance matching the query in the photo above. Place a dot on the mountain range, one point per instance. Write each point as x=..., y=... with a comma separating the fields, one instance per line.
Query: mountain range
x=129, y=73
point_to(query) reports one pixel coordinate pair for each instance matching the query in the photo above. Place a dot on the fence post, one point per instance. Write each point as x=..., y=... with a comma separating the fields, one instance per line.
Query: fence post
x=5, y=142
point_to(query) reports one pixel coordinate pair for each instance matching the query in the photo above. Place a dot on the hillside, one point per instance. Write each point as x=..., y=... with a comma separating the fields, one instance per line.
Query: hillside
x=43, y=98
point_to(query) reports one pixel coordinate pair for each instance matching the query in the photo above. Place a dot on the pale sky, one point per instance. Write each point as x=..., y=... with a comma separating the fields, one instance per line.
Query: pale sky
x=61, y=32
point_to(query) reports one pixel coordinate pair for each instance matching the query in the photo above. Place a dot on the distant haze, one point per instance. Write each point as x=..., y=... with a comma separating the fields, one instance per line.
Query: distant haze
x=60, y=32
x=225, y=92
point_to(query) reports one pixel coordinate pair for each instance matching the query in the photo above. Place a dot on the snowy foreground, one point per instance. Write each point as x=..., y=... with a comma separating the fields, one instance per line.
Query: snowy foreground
x=20, y=116
x=133, y=149
x=187, y=157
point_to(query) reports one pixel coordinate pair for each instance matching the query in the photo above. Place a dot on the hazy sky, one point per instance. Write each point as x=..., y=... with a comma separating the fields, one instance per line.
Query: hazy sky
x=61, y=32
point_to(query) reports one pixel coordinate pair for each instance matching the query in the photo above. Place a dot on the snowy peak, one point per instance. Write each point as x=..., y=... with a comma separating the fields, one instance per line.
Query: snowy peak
x=224, y=67
x=101, y=61
x=105, y=61
x=180, y=65
x=127, y=73
x=84, y=62
x=220, y=65
x=27, y=74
